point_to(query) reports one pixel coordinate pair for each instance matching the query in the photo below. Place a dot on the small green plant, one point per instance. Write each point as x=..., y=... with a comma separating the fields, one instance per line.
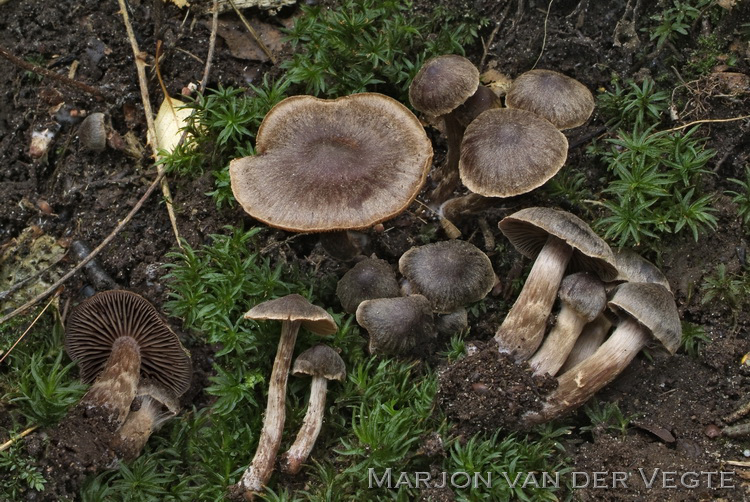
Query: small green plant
x=741, y=197
x=709, y=53
x=569, y=187
x=728, y=289
x=693, y=338
x=606, y=417
x=676, y=20
x=20, y=474
x=632, y=105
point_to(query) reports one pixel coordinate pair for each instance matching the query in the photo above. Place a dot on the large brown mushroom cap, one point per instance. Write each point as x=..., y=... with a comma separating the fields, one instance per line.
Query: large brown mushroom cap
x=558, y=98
x=528, y=230
x=339, y=164
x=509, y=152
x=320, y=361
x=451, y=274
x=294, y=308
x=653, y=306
x=442, y=84
x=370, y=278
x=100, y=320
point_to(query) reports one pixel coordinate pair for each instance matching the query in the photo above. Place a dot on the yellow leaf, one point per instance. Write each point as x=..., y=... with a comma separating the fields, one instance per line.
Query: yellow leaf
x=171, y=118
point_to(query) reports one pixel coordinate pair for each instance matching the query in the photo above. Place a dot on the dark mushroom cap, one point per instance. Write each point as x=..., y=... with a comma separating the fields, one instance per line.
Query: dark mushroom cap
x=294, y=308
x=442, y=84
x=451, y=274
x=529, y=228
x=653, y=306
x=370, y=278
x=320, y=361
x=558, y=98
x=452, y=323
x=340, y=164
x=632, y=267
x=396, y=325
x=100, y=320
x=584, y=293
x=509, y=152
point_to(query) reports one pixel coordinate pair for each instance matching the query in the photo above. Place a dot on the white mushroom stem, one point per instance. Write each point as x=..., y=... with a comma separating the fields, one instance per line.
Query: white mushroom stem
x=292, y=460
x=116, y=386
x=578, y=384
x=140, y=424
x=523, y=329
x=559, y=342
x=588, y=342
x=259, y=472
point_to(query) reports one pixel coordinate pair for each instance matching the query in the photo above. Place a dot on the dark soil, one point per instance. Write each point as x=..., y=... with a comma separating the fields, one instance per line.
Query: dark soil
x=74, y=194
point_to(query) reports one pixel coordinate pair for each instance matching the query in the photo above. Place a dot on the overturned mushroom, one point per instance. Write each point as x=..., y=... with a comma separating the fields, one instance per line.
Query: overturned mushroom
x=555, y=238
x=645, y=310
x=396, y=325
x=322, y=363
x=294, y=311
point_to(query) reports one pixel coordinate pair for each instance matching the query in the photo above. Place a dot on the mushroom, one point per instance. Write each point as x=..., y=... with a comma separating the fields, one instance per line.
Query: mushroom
x=558, y=98
x=293, y=311
x=645, y=310
x=451, y=274
x=582, y=298
x=453, y=323
x=333, y=165
x=117, y=337
x=396, y=325
x=153, y=405
x=590, y=339
x=448, y=87
x=322, y=363
x=370, y=278
x=555, y=238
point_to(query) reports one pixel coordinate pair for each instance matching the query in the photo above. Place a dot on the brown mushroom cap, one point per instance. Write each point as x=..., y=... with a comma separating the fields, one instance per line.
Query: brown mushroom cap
x=339, y=164
x=100, y=320
x=584, y=294
x=529, y=228
x=509, y=152
x=294, y=308
x=396, y=325
x=632, y=267
x=653, y=306
x=370, y=278
x=558, y=98
x=320, y=361
x=451, y=274
x=442, y=84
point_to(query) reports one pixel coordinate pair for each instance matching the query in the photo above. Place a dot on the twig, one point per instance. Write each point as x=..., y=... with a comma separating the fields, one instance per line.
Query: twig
x=91, y=256
x=48, y=73
x=25, y=332
x=544, y=40
x=253, y=34
x=140, y=66
x=704, y=121
x=737, y=463
x=23, y=434
x=211, y=46
x=486, y=45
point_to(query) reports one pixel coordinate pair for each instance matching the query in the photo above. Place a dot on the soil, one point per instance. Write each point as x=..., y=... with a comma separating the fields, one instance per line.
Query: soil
x=72, y=193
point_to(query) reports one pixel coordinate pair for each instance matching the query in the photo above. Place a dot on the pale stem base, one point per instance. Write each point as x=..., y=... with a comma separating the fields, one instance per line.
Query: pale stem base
x=292, y=460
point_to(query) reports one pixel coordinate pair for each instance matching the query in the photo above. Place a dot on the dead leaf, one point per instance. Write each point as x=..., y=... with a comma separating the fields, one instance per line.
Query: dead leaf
x=242, y=45
x=171, y=118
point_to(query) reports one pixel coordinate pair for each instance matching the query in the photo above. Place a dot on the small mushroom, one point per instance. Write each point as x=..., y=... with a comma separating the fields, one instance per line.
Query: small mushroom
x=452, y=323
x=645, y=311
x=294, y=311
x=451, y=274
x=562, y=100
x=369, y=279
x=582, y=299
x=93, y=132
x=155, y=405
x=322, y=363
x=396, y=325
x=117, y=337
x=556, y=238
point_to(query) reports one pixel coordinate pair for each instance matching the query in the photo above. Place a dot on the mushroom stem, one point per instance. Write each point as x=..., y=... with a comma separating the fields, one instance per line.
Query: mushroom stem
x=447, y=176
x=523, y=329
x=592, y=336
x=292, y=460
x=256, y=476
x=116, y=386
x=559, y=342
x=578, y=384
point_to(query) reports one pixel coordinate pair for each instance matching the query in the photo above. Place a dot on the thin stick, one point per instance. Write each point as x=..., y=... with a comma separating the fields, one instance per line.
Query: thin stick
x=544, y=40
x=91, y=255
x=705, y=121
x=48, y=73
x=140, y=66
x=253, y=34
x=25, y=332
x=23, y=434
x=211, y=46
x=737, y=463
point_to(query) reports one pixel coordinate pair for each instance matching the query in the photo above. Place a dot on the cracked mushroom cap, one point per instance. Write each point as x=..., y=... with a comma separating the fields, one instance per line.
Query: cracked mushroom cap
x=562, y=100
x=294, y=308
x=340, y=164
x=653, y=306
x=320, y=361
x=100, y=320
x=451, y=274
x=507, y=152
x=442, y=84
x=396, y=325
x=369, y=279
x=528, y=230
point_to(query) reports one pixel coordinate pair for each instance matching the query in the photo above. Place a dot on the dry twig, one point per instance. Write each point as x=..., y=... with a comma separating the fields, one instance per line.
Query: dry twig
x=253, y=33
